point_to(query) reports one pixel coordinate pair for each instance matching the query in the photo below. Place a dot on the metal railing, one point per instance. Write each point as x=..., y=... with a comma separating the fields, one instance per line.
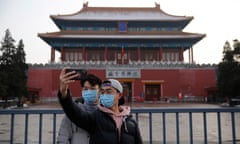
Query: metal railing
x=162, y=125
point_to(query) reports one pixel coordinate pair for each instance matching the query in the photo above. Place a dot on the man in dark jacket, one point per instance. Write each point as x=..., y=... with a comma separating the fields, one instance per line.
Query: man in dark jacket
x=110, y=124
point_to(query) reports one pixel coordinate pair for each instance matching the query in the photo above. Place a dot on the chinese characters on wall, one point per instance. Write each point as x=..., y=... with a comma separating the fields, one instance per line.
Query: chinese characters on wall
x=128, y=73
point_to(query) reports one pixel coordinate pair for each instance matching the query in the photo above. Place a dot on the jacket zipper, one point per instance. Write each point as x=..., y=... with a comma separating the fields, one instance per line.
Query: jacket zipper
x=117, y=133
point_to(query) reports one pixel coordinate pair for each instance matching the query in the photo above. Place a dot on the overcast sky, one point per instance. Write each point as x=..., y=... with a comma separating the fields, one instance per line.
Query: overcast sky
x=218, y=19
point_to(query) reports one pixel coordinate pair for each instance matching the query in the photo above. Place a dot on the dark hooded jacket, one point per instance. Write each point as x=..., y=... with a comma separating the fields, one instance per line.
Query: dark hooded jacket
x=101, y=125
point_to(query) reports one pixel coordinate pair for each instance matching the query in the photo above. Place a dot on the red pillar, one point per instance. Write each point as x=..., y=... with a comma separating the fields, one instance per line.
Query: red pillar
x=84, y=54
x=115, y=56
x=78, y=53
x=52, y=55
x=192, y=54
x=105, y=53
x=122, y=55
x=62, y=55
x=138, y=54
x=160, y=53
x=189, y=55
x=181, y=58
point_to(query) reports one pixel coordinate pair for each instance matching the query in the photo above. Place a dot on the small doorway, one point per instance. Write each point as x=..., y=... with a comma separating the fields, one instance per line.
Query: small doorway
x=153, y=92
x=127, y=91
x=33, y=95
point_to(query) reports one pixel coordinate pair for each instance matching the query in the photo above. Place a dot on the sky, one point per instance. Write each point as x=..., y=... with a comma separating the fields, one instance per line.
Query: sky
x=218, y=19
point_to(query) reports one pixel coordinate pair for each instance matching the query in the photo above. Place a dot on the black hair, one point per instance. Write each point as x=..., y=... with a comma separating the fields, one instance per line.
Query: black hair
x=121, y=101
x=92, y=79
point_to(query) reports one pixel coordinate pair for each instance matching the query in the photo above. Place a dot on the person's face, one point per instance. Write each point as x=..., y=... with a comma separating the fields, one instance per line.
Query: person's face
x=110, y=90
x=88, y=86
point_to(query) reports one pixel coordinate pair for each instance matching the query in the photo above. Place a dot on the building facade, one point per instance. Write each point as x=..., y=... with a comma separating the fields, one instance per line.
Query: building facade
x=141, y=47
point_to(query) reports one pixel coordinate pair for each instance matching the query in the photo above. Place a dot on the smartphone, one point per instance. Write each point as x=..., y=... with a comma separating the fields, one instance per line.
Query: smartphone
x=82, y=73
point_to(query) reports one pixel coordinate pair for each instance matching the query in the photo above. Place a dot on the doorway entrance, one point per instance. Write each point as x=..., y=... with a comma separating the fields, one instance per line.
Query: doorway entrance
x=127, y=91
x=153, y=92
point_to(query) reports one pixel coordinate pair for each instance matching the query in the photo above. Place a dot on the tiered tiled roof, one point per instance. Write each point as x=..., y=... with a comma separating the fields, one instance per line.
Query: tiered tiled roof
x=156, y=27
x=104, y=34
x=122, y=13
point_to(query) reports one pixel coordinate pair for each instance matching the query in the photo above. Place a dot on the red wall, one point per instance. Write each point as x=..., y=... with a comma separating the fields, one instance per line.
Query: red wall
x=186, y=81
x=170, y=78
x=47, y=80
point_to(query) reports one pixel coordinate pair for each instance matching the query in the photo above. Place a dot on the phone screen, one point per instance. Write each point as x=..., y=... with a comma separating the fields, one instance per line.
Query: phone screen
x=81, y=73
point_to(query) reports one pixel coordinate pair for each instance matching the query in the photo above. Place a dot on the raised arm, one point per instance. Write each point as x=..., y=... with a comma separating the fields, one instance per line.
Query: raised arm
x=77, y=115
x=65, y=79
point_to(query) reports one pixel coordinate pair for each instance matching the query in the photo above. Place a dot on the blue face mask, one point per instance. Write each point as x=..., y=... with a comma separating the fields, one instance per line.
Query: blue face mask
x=107, y=100
x=89, y=96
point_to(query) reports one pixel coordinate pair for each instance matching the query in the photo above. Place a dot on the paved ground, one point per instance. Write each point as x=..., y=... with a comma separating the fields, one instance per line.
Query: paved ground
x=157, y=127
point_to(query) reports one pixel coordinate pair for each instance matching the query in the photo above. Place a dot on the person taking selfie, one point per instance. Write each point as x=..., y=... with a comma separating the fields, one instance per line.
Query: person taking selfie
x=110, y=123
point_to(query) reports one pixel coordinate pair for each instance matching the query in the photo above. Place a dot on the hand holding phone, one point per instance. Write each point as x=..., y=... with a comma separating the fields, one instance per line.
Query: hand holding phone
x=81, y=73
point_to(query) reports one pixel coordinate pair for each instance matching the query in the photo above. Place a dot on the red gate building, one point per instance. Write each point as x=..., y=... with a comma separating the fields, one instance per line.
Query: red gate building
x=142, y=47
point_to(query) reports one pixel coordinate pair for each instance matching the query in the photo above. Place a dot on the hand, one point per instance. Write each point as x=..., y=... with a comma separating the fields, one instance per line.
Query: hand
x=65, y=79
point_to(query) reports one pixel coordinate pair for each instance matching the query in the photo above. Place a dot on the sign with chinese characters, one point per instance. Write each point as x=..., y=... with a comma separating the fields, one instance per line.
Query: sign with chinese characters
x=120, y=73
